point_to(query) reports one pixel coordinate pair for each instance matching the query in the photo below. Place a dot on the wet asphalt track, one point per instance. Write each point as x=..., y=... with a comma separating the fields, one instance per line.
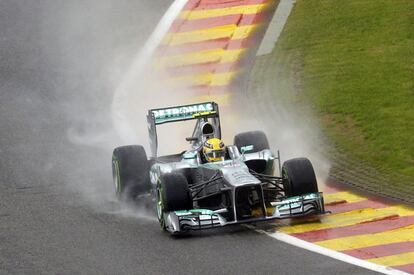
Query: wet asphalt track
x=58, y=63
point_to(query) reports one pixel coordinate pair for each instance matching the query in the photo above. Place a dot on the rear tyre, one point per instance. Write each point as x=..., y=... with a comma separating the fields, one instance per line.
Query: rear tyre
x=298, y=177
x=259, y=141
x=256, y=138
x=130, y=170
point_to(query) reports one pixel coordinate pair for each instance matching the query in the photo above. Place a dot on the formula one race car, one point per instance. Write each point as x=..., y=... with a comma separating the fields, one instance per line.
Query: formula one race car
x=212, y=185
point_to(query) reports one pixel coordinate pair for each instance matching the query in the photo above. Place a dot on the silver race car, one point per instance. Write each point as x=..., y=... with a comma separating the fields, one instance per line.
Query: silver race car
x=213, y=185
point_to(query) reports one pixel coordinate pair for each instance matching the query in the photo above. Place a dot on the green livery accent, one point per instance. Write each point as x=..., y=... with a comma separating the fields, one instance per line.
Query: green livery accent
x=115, y=162
x=194, y=211
x=247, y=148
x=160, y=210
x=294, y=202
x=182, y=112
x=217, y=164
x=190, y=155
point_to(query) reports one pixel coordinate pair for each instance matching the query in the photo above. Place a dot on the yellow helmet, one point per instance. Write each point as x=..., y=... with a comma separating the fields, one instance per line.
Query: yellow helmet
x=214, y=150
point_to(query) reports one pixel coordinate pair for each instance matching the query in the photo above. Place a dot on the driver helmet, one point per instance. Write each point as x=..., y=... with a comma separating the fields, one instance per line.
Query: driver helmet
x=214, y=150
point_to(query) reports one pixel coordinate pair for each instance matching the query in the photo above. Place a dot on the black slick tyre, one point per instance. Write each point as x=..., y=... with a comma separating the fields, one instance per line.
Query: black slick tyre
x=172, y=194
x=175, y=194
x=298, y=177
x=259, y=141
x=130, y=170
x=256, y=138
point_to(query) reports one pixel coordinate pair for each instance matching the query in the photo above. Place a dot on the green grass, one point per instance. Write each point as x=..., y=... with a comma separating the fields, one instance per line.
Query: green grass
x=355, y=61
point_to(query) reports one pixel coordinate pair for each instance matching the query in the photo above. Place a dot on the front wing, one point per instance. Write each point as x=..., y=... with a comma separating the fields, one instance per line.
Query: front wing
x=198, y=219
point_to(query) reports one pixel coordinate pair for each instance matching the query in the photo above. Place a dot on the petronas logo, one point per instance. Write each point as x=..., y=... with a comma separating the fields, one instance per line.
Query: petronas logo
x=183, y=111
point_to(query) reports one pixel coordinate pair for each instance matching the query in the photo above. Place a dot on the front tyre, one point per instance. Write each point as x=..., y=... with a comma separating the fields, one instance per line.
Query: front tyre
x=130, y=170
x=298, y=177
x=172, y=194
x=175, y=192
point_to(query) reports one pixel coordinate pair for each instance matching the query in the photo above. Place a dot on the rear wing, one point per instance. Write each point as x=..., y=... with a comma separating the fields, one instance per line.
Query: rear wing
x=175, y=114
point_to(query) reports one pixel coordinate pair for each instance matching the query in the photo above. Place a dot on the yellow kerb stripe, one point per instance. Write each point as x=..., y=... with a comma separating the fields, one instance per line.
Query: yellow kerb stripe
x=349, y=218
x=223, y=79
x=404, y=234
x=211, y=79
x=208, y=13
x=394, y=260
x=228, y=31
x=199, y=35
x=340, y=196
x=207, y=56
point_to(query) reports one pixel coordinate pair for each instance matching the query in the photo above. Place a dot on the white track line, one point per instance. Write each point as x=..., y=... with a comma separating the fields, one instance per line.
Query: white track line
x=333, y=254
x=275, y=27
x=160, y=31
x=121, y=95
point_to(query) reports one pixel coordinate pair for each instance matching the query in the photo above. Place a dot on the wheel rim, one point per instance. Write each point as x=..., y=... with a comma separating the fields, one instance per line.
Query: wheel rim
x=160, y=211
x=116, y=176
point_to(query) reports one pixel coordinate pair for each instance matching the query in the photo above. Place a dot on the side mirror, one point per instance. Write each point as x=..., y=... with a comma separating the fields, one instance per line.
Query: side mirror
x=247, y=148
